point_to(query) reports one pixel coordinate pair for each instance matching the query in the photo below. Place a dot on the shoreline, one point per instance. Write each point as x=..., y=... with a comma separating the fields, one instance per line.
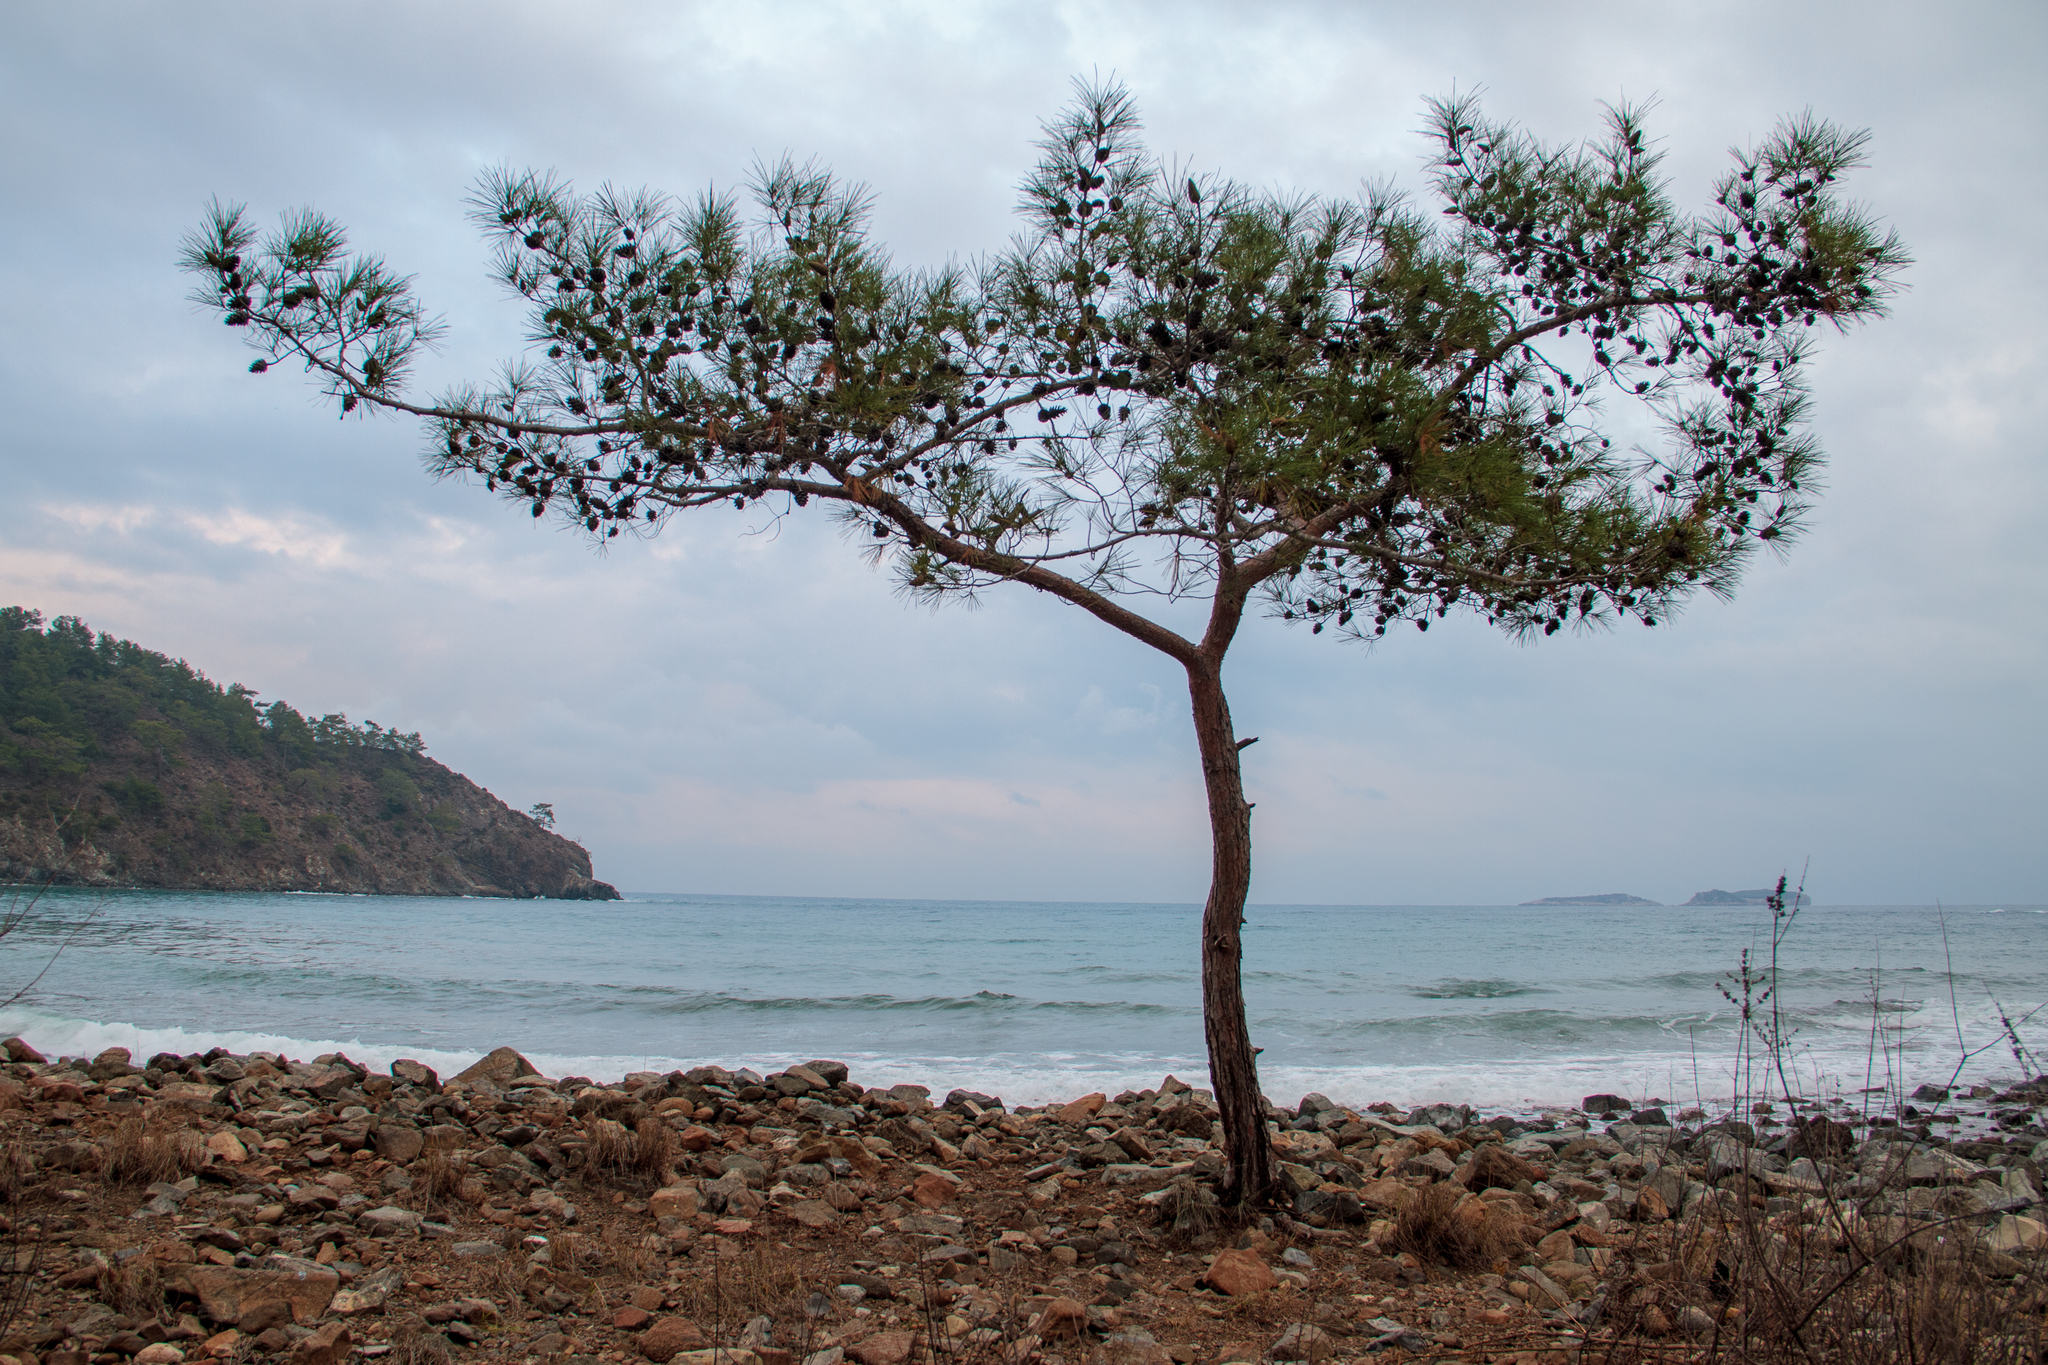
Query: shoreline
x=1037, y=1085
x=220, y=1206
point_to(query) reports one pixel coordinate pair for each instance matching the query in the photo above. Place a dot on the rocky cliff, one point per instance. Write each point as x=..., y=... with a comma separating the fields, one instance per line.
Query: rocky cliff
x=120, y=767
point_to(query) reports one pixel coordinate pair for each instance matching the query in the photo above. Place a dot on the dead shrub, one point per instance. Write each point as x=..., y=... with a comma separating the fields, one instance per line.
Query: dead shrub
x=415, y=1343
x=608, y=1147
x=134, y=1286
x=761, y=1279
x=1444, y=1225
x=624, y=1257
x=21, y=1257
x=440, y=1179
x=653, y=1151
x=143, y=1151
x=1190, y=1215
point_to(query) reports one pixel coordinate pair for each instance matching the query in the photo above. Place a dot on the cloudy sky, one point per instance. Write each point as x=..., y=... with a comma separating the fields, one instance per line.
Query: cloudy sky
x=729, y=708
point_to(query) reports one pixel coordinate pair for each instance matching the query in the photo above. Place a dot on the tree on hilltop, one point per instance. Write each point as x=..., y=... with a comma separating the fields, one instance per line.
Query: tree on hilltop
x=1167, y=388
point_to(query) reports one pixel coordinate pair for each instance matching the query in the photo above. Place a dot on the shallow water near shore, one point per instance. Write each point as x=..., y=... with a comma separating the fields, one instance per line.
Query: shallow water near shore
x=1504, y=1007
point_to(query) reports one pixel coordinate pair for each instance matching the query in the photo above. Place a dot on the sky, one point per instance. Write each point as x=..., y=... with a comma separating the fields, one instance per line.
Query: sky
x=739, y=706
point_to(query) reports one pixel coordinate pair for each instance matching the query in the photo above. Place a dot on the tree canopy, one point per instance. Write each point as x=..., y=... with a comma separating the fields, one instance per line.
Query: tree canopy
x=1554, y=400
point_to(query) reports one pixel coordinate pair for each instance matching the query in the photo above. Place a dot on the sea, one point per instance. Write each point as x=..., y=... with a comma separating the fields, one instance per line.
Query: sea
x=1511, y=1009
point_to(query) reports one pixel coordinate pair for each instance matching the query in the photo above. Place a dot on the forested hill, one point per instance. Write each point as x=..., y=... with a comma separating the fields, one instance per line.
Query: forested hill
x=121, y=767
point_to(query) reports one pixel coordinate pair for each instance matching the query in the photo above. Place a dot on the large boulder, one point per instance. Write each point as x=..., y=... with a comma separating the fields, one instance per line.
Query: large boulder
x=307, y=1288
x=497, y=1068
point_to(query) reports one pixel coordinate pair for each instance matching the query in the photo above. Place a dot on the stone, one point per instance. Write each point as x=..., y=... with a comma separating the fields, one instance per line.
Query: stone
x=932, y=1191
x=159, y=1353
x=477, y=1251
x=115, y=1061
x=496, y=1068
x=1441, y=1116
x=631, y=1318
x=263, y=1315
x=1494, y=1168
x=1547, y=1292
x=397, y=1143
x=696, y=1139
x=1133, y=1142
x=1239, y=1272
x=1650, y=1206
x=2013, y=1233
x=19, y=1051
x=1302, y=1341
x=1694, y=1321
x=678, y=1200
x=227, y=1147
x=1062, y=1317
x=750, y=1169
x=883, y=1348
x=670, y=1337
x=1605, y=1104
x=222, y=1291
x=1083, y=1109
x=814, y=1213
x=1930, y=1094
x=415, y=1073
x=219, y=1346
x=1433, y=1163
x=1820, y=1137
x=369, y=1293
x=329, y=1345
x=389, y=1221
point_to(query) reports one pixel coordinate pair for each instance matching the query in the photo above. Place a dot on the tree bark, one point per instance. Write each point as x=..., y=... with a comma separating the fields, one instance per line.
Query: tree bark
x=1233, y=1065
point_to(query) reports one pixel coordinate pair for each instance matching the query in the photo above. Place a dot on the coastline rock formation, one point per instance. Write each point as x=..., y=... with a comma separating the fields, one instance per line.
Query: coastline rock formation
x=1605, y=898
x=121, y=767
x=1757, y=897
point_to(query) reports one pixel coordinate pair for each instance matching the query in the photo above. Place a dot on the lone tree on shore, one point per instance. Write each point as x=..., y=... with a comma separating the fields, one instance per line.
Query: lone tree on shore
x=1166, y=388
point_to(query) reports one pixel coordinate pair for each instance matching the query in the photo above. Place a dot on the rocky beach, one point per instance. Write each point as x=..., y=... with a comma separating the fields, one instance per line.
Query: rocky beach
x=241, y=1207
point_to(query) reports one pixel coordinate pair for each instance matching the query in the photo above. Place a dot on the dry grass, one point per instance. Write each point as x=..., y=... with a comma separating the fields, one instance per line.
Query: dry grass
x=761, y=1281
x=144, y=1151
x=608, y=1148
x=440, y=1179
x=1443, y=1225
x=1191, y=1217
x=134, y=1286
x=1752, y=1290
x=415, y=1343
x=21, y=1258
x=653, y=1150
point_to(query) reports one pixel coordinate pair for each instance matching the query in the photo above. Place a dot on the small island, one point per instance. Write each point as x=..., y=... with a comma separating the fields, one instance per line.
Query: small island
x=1605, y=898
x=1760, y=896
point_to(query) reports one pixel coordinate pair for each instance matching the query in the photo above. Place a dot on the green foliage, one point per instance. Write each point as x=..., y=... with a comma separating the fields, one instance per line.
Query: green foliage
x=1384, y=412
x=144, y=798
x=445, y=818
x=397, y=793
x=69, y=696
x=318, y=783
x=216, y=807
x=253, y=829
x=322, y=825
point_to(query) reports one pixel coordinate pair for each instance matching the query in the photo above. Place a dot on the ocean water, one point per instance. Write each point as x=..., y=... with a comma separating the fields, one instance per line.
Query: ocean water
x=1507, y=1008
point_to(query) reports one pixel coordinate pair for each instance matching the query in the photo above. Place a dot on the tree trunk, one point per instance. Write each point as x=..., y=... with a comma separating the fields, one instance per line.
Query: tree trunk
x=1233, y=1066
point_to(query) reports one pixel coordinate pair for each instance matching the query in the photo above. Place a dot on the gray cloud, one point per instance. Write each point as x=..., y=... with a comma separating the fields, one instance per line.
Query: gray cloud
x=743, y=707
